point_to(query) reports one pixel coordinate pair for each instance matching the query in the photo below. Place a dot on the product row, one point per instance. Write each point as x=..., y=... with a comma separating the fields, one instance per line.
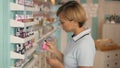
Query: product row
x=23, y=32
x=25, y=2
x=114, y=19
x=23, y=47
x=24, y=18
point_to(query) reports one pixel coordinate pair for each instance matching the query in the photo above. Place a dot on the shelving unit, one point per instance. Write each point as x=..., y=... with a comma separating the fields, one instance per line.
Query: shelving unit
x=106, y=7
x=17, y=40
x=24, y=12
x=111, y=31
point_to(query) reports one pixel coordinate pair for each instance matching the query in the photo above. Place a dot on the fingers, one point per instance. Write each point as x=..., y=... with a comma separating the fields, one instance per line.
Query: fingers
x=50, y=60
x=47, y=59
x=50, y=47
x=49, y=44
x=53, y=62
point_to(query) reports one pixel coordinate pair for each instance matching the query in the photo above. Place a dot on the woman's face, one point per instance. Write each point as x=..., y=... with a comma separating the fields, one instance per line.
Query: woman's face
x=67, y=25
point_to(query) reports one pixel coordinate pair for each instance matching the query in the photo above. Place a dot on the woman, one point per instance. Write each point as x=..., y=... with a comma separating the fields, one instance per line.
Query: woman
x=80, y=50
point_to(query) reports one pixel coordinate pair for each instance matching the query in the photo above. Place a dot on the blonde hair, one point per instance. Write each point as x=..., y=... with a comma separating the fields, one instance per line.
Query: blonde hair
x=73, y=11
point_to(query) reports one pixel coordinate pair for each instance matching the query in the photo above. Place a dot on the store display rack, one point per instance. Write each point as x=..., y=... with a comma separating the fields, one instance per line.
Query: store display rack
x=28, y=63
x=14, y=39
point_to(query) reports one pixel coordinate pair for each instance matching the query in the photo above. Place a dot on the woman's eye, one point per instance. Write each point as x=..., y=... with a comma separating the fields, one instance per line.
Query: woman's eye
x=62, y=22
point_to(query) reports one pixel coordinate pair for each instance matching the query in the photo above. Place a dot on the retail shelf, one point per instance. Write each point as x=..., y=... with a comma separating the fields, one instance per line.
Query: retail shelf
x=26, y=61
x=14, y=6
x=14, y=39
x=14, y=23
x=48, y=34
x=15, y=55
x=32, y=62
x=17, y=7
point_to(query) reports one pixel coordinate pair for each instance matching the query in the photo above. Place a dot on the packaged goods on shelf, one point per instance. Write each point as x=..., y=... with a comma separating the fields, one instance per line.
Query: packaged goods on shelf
x=106, y=45
x=25, y=2
x=23, y=32
x=24, y=18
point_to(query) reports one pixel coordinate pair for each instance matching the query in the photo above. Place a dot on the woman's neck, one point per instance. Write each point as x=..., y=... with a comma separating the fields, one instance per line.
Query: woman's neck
x=78, y=30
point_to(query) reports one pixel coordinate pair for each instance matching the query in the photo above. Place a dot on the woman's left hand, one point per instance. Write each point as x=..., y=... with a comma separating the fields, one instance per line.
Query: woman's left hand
x=54, y=62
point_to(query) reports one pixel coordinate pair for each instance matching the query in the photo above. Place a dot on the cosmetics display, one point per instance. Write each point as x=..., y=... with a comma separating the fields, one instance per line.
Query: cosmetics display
x=29, y=28
x=113, y=19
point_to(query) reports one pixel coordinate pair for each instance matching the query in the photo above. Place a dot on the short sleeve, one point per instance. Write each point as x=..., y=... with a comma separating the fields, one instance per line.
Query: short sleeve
x=85, y=55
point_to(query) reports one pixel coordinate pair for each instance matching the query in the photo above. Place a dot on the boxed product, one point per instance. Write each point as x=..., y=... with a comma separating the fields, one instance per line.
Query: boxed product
x=106, y=45
x=24, y=18
x=25, y=2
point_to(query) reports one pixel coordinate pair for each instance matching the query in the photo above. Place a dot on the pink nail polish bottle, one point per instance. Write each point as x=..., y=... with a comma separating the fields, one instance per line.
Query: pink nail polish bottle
x=44, y=46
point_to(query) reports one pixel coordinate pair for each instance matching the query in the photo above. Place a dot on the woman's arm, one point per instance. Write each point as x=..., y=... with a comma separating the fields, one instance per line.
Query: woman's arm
x=85, y=67
x=54, y=62
x=59, y=55
x=51, y=48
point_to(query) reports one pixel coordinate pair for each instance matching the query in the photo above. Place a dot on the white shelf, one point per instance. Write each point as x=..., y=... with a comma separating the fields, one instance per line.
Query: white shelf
x=32, y=62
x=14, y=23
x=26, y=61
x=48, y=34
x=14, y=39
x=15, y=55
x=17, y=7
x=14, y=6
x=29, y=52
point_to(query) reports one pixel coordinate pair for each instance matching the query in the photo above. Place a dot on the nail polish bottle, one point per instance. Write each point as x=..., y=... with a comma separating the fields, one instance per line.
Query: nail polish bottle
x=21, y=32
x=23, y=51
x=44, y=46
x=27, y=31
x=30, y=44
x=18, y=48
x=26, y=46
x=17, y=63
x=17, y=33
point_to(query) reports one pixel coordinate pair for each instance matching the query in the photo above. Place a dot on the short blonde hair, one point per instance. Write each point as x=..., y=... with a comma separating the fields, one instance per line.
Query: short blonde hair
x=73, y=11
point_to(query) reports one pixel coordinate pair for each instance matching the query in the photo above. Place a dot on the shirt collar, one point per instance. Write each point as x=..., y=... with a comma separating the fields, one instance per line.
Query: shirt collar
x=82, y=34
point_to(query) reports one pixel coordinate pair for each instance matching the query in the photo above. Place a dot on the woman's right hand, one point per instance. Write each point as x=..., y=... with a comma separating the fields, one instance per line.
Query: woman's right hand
x=50, y=47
